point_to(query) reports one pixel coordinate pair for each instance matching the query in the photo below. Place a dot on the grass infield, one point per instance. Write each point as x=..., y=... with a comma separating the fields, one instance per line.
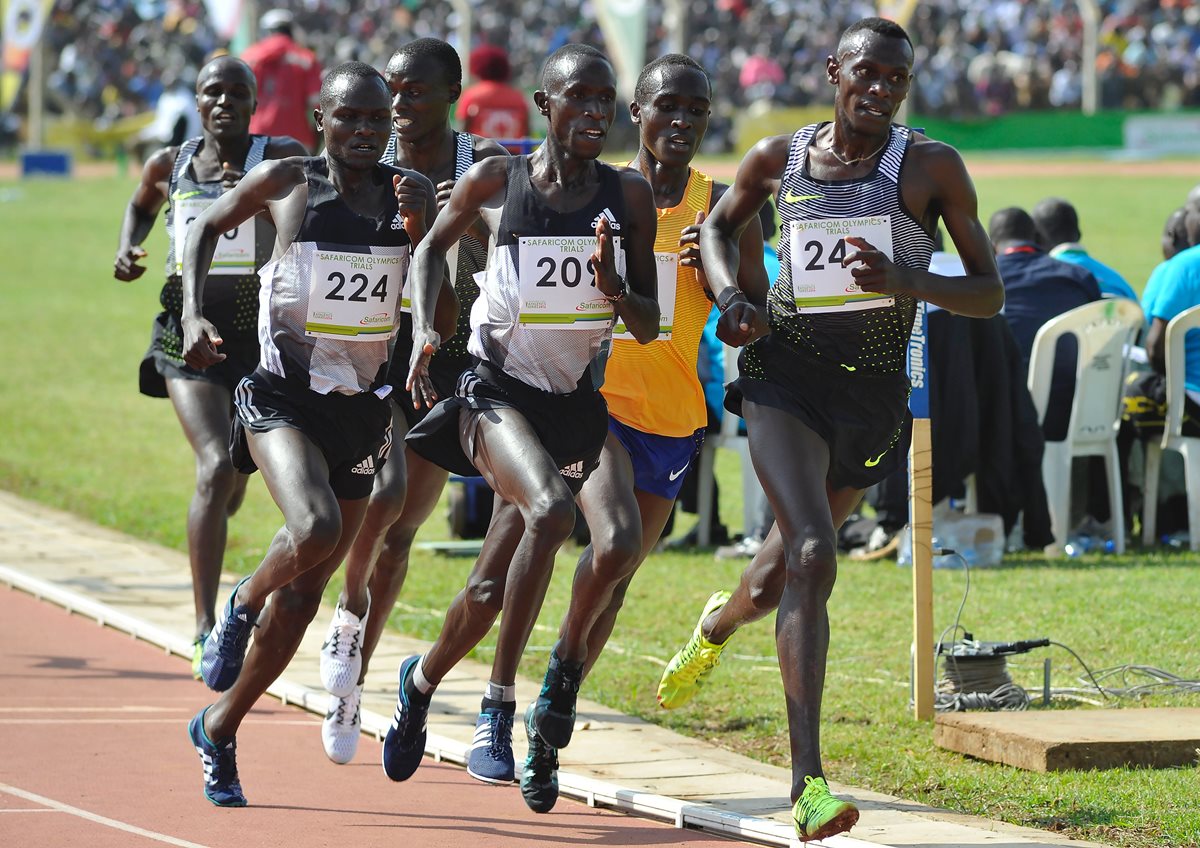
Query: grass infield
x=76, y=434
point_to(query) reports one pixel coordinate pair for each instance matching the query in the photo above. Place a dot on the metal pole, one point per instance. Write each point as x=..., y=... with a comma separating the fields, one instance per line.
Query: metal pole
x=1090, y=11
x=675, y=19
x=465, y=23
x=36, y=138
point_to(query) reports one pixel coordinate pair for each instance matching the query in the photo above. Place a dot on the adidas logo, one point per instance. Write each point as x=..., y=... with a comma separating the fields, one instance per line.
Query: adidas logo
x=367, y=466
x=574, y=471
x=612, y=220
x=397, y=224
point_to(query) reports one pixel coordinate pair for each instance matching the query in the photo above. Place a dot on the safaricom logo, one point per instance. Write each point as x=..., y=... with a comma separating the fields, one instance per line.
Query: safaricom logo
x=377, y=318
x=593, y=306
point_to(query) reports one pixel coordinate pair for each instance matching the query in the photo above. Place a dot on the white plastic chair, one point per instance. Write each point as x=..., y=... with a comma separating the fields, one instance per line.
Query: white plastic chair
x=728, y=437
x=1173, y=438
x=1102, y=330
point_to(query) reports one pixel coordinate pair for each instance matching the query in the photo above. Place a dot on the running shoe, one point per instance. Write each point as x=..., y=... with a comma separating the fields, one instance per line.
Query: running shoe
x=491, y=756
x=221, y=784
x=341, y=654
x=554, y=709
x=225, y=647
x=342, y=726
x=404, y=745
x=689, y=669
x=819, y=814
x=539, y=776
x=198, y=655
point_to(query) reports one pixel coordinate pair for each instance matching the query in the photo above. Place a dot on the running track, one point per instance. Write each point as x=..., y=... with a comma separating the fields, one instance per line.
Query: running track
x=94, y=751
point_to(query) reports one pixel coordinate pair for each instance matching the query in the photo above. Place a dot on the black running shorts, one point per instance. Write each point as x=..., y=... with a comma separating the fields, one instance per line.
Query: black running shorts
x=859, y=414
x=353, y=432
x=571, y=427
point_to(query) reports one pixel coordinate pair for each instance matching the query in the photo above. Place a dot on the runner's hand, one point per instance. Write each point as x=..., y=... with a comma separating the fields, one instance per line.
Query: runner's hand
x=125, y=266
x=604, y=262
x=689, y=240
x=425, y=345
x=741, y=323
x=200, y=341
x=410, y=197
x=443, y=193
x=876, y=273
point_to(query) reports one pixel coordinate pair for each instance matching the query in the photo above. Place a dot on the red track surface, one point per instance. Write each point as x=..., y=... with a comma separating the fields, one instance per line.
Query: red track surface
x=94, y=751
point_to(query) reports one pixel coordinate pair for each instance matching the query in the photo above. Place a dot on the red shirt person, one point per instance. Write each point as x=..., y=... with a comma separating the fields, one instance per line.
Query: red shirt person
x=491, y=107
x=289, y=80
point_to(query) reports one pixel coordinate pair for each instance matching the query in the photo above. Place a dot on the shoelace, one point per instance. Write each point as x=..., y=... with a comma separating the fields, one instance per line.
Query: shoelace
x=347, y=709
x=500, y=734
x=231, y=644
x=812, y=804
x=223, y=770
x=411, y=721
x=345, y=638
x=542, y=757
x=694, y=655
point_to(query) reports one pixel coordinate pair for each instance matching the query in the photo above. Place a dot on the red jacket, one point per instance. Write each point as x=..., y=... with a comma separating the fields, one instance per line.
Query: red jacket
x=289, y=80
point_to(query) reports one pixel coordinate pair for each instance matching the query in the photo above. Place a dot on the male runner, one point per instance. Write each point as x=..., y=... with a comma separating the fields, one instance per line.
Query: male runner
x=188, y=178
x=528, y=416
x=655, y=405
x=425, y=79
x=312, y=417
x=824, y=395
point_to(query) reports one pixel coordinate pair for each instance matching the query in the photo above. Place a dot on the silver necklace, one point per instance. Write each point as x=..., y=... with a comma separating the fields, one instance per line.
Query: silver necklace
x=860, y=159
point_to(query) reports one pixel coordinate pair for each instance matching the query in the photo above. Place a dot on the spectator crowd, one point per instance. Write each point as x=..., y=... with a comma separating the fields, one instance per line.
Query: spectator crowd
x=113, y=58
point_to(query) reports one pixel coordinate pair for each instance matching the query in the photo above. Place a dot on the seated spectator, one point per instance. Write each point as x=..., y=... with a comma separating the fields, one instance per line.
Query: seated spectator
x=491, y=107
x=1036, y=289
x=1058, y=226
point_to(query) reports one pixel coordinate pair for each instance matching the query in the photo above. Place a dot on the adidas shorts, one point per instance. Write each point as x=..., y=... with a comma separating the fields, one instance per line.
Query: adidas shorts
x=860, y=415
x=659, y=462
x=353, y=432
x=571, y=427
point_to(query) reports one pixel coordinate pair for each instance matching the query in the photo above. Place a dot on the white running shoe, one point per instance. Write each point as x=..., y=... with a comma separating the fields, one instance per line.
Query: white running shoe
x=342, y=726
x=341, y=655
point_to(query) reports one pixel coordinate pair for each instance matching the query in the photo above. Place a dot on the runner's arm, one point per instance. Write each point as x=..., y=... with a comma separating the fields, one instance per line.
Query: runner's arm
x=980, y=294
x=274, y=180
x=148, y=199
x=722, y=239
x=637, y=309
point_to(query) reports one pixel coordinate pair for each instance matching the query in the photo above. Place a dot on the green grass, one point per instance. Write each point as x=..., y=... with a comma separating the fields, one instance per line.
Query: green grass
x=75, y=434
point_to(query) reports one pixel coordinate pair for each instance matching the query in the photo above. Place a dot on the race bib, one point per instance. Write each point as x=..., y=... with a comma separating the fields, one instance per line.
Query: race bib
x=354, y=296
x=819, y=282
x=558, y=285
x=667, y=267
x=235, y=249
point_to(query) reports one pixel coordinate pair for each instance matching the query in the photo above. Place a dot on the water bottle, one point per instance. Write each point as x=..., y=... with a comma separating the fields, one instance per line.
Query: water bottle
x=1078, y=546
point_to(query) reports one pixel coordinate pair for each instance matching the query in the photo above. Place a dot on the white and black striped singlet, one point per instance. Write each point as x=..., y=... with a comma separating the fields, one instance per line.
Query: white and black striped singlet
x=230, y=300
x=873, y=340
x=550, y=359
x=472, y=257
x=321, y=364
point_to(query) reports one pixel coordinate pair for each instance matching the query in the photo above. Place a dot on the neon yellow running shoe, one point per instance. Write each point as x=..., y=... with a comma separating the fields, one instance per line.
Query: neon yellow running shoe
x=688, y=669
x=819, y=814
x=197, y=653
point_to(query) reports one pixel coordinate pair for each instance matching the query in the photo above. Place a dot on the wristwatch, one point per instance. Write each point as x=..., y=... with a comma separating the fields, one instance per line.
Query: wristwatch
x=621, y=292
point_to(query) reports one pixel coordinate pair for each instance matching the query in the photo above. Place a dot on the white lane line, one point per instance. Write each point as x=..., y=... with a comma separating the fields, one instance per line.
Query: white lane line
x=30, y=810
x=92, y=817
x=112, y=709
x=274, y=723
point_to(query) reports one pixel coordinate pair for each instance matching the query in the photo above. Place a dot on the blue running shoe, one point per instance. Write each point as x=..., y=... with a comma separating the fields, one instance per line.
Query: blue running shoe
x=225, y=647
x=221, y=784
x=491, y=757
x=539, y=776
x=404, y=745
x=554, y=710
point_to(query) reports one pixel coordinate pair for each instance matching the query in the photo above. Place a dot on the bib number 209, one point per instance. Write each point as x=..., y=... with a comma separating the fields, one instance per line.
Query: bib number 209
x=568, y=271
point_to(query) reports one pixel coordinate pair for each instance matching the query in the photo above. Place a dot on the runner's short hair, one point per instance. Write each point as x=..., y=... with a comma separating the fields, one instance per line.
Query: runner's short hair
x=643, y=91
x=331, y=85
x=432, y=48
x=554, y=73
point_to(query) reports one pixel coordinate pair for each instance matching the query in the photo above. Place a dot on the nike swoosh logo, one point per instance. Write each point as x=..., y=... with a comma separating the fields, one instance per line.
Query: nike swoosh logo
x=796, y=198
x=674, y=475
x=871, y=463
x=184, y=195
x=848, y=367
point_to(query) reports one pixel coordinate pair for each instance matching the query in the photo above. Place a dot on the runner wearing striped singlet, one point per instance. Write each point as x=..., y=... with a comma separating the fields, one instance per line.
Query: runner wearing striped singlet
x=187, y=179
x=655, y=405
x=425, y=79
x=825, y=394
